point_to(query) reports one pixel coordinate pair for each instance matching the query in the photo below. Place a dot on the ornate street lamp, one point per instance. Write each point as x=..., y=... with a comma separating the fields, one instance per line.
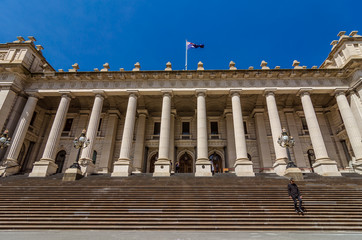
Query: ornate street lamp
x=4, y=139
x=287, y=142
x=80, y=143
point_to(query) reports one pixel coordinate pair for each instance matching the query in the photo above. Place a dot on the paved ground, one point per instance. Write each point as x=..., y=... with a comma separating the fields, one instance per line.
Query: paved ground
x=175, y=235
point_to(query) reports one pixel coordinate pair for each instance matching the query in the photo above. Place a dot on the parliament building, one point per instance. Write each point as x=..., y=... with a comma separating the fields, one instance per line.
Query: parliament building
x=147, y=121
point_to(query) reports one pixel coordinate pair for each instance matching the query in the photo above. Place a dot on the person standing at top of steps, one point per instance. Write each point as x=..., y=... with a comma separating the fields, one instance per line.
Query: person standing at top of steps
x=294, y=194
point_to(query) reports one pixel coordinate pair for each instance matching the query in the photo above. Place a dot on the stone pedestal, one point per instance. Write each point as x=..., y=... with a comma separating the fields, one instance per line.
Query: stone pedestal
x=326, y=167
x=121, y=168
x=294, y=173
x=358, y=167
x=244, y=168
x=72, y=174
x=280, y=166
x=9, y=167
x=162, y=168
x=203, y=168
x=43, y=168
x=86, y=166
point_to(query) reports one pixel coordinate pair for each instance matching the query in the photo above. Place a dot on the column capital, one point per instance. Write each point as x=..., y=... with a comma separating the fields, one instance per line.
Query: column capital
x=34, y=95
x=166, y=92
x=235, y=92
x=134, y=93
x=200, y=92
x=173, y=112
x=228, y=112
x=256, y=111
x=288, y=110
x=100, y=93
x=114, y=112
x=142, y=112
x=340, y=91
x=67, y=94
x=304, y=91
x=269, y=91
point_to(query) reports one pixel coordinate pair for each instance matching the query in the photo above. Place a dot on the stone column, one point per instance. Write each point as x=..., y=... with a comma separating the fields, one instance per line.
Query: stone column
x=46, y=166
x=122, y=168
x=323, y=164
x=162, y=165
x=140, y=141
x=7, y=97
x=86, y=161
x=351, y=126
x=231, y=156
x=10, y=165
x=243, y=166
x=356, y=107
x=276, y=129
x=172, y=140
x=106, y=161
x=203, y=165
x=263, y=142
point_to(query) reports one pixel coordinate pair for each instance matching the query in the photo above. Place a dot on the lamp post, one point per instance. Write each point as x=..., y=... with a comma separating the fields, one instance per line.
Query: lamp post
x=4, y=139
x=80, y=143
x=287, y=142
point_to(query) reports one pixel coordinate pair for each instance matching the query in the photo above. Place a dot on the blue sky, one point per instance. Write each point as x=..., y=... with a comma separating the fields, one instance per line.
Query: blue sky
x=153, y=32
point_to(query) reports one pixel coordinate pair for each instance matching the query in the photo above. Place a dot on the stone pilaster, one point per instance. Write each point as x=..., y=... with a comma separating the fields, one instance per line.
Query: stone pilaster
x=140, y=141
x=263, y=143
x=231, y=156
x=276, y=129
x=86, y=161
x=162, y=165
x=203, y=165
x=46, y=166
x=351, y=126
x=10, y=165
x=122, y=168
x=106, y=161
x=243, y=166
x=356, y=107
x=323, y=164
x=172, y=140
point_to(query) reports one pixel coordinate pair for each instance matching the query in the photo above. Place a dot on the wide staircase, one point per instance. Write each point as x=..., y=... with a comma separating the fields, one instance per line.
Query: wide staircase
x=180, y=202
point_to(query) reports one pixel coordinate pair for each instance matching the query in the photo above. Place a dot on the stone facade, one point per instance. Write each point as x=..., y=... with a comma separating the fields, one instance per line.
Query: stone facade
x=207, y=120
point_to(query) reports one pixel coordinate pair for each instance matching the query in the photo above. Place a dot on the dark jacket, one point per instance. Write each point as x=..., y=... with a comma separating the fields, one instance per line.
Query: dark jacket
x=293, y=190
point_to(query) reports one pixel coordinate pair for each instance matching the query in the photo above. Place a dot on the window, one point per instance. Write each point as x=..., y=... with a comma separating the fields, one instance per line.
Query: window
x=157, y=128
x=99, y=125
x=304, y=123
x=245, y=128
x=185, y=128
x=214, y=128
x=33, y=119
x=68, y=125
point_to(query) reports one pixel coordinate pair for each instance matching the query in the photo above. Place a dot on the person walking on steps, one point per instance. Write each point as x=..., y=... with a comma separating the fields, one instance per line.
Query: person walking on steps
x=294, y=194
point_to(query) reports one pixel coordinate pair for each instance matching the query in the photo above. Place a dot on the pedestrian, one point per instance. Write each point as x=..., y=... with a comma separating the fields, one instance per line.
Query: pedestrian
x=177, y=166
x=294, y=194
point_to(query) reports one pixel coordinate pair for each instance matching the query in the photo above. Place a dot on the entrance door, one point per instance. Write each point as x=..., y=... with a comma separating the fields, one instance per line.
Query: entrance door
x=24, y=163
x=152, y=162
x=186, y=163
x=216, y=160
x=311, y=158
x=59, y=160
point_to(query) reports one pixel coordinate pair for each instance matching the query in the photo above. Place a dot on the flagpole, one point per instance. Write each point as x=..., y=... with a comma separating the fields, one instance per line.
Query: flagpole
x=186, y=56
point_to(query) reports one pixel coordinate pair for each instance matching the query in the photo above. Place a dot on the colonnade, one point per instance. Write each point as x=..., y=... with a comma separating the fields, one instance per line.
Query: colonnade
x=243, y=166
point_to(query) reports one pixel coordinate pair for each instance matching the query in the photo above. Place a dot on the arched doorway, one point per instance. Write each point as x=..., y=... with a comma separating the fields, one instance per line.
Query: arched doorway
x=59, y=160
x=152, y=162
x=186, y=163
x=311, y=158
x=217, y=161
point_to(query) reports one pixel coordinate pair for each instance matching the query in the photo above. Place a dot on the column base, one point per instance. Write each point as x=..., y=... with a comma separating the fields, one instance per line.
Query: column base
x=244, y=168
x=358, y=166
x=72, y=174
x=121, y=168
x=326, y=167
x=162, y=168
x=203, y=168
x=9, y=167
x=43, y=168
x=295, y=173
x=280, y=166
x=86, y=166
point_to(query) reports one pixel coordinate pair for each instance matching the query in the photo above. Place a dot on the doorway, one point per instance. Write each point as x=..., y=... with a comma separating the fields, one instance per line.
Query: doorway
x=152, y=162
x=217, y=162
x=186, y=163
x=59, y=160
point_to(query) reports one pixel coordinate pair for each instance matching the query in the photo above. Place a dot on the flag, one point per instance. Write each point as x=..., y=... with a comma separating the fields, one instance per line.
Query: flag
x=193, y=45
